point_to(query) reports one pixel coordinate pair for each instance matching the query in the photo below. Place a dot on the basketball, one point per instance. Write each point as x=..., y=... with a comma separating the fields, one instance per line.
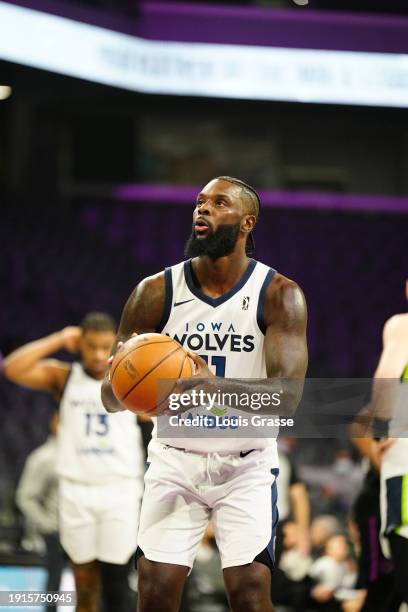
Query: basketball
x=140, y=369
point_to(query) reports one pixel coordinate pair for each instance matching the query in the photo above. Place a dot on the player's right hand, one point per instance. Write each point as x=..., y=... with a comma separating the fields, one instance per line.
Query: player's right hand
x=118, y=346
x=70, y=337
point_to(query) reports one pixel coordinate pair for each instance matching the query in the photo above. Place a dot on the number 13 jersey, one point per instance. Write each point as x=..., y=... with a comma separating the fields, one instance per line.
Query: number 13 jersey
x=94, y=446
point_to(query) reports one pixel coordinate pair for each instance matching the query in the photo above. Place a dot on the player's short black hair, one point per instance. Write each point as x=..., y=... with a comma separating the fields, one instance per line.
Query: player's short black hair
x=255, y=204
x=249, y=191
x=98, y=321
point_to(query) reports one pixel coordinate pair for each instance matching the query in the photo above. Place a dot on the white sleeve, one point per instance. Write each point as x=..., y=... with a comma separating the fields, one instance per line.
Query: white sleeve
x=31, y=491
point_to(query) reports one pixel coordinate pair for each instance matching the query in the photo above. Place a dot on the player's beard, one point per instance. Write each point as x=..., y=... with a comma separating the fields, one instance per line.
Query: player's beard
x=215, y=244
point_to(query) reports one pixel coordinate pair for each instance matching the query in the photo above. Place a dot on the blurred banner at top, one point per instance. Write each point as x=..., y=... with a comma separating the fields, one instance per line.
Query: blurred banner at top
x=216, y=51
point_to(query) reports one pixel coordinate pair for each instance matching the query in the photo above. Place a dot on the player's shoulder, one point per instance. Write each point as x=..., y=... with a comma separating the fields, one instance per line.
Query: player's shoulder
x=153, y=283
x=396, y=325
x=280, y=282
x=156, y=284
x=144, y=309
x=284, y=290
x=284, y=299
x=149, y=290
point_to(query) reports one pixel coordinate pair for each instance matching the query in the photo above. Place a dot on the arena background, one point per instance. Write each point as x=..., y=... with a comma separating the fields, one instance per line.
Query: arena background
x=97, y=188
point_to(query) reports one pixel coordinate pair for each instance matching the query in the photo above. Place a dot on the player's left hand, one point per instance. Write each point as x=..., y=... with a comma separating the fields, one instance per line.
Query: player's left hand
x=201, y=369
x=71, y=337
x=186, y=385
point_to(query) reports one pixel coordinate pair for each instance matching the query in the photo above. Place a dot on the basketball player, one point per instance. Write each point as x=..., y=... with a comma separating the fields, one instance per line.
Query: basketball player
x=219, y=297
x=390, y=399
x=99, y=459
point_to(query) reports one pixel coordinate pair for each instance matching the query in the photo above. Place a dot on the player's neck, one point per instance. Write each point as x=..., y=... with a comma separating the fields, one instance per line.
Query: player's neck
x=94, y=375
x=220, y=275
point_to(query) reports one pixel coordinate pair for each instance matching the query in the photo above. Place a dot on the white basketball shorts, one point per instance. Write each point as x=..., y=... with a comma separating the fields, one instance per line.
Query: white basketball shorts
x=184, y=490
x=99, y=522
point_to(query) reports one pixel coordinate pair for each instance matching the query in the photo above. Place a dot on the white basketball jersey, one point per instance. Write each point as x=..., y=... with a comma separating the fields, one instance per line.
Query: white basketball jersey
x=93, y=445
x=228, y=332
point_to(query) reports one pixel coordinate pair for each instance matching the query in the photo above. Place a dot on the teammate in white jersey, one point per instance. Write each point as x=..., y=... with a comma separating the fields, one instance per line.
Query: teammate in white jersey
x=99, y=459
x=246, y=321
x=390, y=403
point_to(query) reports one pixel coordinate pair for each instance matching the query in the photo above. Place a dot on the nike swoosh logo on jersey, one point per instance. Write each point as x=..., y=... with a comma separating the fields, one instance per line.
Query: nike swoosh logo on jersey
x=180, y=303
x=245, y=453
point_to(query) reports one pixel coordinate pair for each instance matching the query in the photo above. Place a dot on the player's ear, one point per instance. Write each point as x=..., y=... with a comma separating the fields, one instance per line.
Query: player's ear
x=248, y=223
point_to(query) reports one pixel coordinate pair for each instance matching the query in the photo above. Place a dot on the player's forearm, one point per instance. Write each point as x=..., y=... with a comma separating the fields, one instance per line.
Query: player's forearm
x=34, y=512
x=362, y=429
x=385, y=392
x=28, y=505
x=369, y=448
x=31, y=490
x=25, y=357
x=364, y=445
x=268, y=396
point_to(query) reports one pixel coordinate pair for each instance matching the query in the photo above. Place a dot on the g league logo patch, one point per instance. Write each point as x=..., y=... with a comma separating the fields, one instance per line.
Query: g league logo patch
x=245, y=303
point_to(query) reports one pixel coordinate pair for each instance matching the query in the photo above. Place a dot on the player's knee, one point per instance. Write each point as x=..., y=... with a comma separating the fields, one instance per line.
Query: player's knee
x=154, y=596
x=249, y=597
x=151, y=585
x=155, y=591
